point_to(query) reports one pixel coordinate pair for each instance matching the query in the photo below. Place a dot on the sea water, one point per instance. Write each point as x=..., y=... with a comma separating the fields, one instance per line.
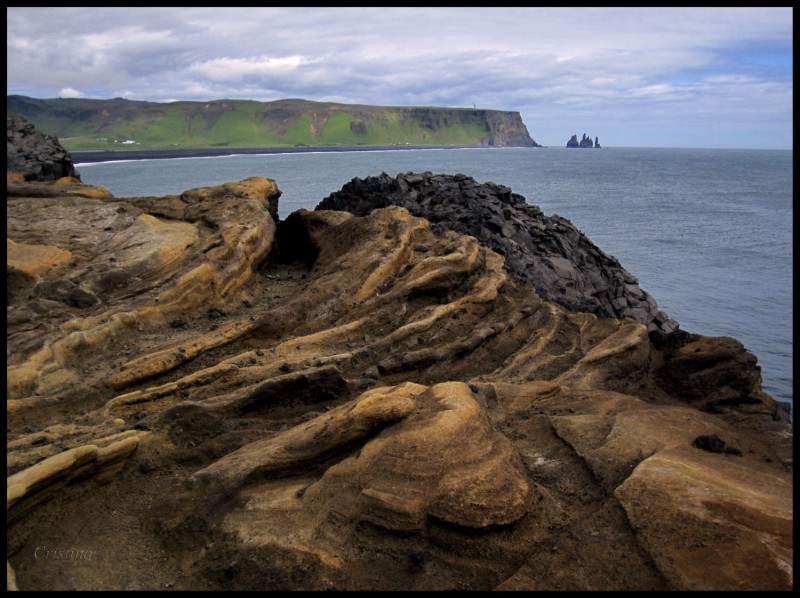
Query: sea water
x=708, y=232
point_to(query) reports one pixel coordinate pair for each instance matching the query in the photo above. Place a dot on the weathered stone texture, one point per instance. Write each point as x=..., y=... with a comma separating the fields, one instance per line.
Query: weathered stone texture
x=360, y=402
x=201, y=396
x=35, y=155
x=561, y=262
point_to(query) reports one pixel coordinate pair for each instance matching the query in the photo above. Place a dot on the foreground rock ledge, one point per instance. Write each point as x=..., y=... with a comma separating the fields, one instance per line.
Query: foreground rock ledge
x=200, y=397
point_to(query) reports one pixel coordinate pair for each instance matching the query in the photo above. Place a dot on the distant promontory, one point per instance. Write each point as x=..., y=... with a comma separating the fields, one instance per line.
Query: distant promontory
x=119, y=124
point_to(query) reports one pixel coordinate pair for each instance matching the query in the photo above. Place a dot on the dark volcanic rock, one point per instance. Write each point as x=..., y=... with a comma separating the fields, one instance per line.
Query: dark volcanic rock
x=584, y=142
x=38, y=157
x=561, y=262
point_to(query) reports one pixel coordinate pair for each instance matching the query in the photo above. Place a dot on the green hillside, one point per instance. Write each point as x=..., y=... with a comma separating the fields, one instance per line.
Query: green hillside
x=82, y=124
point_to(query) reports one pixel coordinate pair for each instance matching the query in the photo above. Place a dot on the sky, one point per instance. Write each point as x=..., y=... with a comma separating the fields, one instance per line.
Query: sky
x=632, y=77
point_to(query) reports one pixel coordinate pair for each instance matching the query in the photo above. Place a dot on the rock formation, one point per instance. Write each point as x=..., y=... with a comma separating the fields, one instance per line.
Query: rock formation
x=561, y=262
x=34, y=155
x=584, y=142
x=202, y=396
x=506, y=129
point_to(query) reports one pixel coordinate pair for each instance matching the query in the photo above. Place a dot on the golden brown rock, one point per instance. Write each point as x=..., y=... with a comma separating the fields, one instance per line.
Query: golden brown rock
x=200, y=398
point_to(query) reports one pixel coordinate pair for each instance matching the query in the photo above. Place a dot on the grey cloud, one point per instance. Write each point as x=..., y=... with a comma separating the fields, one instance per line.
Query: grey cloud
x=555, y=66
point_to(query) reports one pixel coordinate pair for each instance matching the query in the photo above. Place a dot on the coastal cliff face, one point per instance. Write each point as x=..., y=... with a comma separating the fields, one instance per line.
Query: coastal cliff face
x=201, y=396
x=507, y=130
x=119, y=124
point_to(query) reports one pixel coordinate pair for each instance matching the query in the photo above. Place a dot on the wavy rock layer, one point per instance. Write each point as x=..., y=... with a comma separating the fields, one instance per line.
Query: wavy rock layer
x=200, y=397
x=562, y=263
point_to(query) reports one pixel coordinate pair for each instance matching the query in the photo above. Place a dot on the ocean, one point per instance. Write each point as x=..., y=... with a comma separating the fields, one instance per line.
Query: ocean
x=708, y=232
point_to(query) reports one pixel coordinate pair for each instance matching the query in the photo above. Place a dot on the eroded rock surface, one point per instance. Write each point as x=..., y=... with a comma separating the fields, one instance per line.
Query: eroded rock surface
x=561, y=262
x=202, y=397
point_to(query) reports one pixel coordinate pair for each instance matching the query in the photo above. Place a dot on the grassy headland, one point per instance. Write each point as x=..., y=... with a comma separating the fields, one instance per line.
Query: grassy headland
x=120, y=124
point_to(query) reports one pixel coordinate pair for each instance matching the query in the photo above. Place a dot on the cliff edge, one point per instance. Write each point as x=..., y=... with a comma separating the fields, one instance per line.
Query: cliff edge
x=127, y=125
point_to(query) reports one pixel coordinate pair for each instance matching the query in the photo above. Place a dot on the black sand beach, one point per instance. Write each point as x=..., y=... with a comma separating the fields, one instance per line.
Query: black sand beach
x=84, y=157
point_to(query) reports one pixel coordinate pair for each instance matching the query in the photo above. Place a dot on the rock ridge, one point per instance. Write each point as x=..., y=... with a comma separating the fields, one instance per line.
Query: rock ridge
x=560, y=261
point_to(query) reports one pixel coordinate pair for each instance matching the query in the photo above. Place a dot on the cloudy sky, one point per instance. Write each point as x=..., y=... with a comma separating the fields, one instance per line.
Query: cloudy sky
x=634, y=77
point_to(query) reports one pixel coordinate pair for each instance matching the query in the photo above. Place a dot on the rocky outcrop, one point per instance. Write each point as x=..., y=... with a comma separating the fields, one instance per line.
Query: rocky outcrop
x=562, y=263
x=200, y=396
x=584, y=142
x=33, y=155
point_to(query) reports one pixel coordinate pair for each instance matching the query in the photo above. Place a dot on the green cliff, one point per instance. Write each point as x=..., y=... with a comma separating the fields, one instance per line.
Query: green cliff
x=84, y=124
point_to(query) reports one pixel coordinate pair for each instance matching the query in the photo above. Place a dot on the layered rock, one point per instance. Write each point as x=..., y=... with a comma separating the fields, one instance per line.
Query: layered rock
x=34, y=155
x=561, y=262
x=507, y=130
x=203, y=397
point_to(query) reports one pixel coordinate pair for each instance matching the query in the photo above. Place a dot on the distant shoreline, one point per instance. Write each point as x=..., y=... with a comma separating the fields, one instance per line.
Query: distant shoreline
x=86, y=157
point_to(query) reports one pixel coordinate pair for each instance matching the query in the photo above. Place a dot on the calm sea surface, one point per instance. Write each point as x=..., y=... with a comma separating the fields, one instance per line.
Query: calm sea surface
x=708, y=233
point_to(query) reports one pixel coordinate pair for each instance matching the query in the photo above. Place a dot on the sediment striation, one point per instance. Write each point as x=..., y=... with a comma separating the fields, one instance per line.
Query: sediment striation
x=202, y=396
x=561, y=262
